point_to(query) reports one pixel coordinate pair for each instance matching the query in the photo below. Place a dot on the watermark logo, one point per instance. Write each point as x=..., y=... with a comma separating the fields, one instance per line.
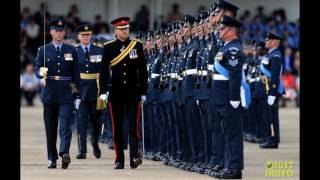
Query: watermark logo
x=279, y=169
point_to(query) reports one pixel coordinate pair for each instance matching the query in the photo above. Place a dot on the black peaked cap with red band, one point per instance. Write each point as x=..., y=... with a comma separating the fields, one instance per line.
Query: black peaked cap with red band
x=121, y=22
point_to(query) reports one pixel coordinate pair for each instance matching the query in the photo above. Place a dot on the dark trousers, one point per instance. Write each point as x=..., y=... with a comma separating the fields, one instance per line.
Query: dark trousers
x=52, y=114
x=147, y=127
x=88, y=113
x=205, y=113
x=218, y=141
x=129, y=110
x=158, y=129
x=251, y=117
x=192, y=150
x=261, y=116
x=163, y=124
x=231, y=127
x=178, y=131
x=29, y=95
x=272, y=122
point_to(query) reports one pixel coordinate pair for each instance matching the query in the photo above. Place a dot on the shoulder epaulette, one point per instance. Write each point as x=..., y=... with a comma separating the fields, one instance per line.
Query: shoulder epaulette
x=109, y=42
x=138, y=40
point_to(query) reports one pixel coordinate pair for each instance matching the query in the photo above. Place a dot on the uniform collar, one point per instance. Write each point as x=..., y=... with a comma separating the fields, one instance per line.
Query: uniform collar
x=123, y=42
x=227, y=42
x=84, y=47
x=57, y=45
x=272, y=49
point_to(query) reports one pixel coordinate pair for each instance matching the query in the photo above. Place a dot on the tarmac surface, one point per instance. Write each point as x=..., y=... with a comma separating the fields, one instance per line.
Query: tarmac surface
x=34, y=155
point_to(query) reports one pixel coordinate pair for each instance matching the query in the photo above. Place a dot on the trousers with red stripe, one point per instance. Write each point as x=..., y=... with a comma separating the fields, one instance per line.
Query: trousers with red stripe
x=120, y=112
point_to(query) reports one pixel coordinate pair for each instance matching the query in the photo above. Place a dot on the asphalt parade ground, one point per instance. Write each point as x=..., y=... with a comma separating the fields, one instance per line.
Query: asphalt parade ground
x=260, y=164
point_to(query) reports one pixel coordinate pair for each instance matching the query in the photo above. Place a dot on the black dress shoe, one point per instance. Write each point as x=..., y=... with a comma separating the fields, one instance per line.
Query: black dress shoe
x=217, y=168
x=268, y=145
x=65, y=161
x=81, y=156
x=125, y=147
x=135, y=163
x=119, y=165
x=52, y=164
x=216, y=171
x=97, y=152
x=110, y=145
x=231, y=174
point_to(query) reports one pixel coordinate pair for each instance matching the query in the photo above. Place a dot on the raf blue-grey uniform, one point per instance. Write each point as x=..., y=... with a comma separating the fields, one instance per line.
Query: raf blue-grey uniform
x=255, y=112
x=154, y=98
x=89, y=58
x=189, y=83
x=150, y=128
x=57, y=96
x=229, y=61
x=271, y=67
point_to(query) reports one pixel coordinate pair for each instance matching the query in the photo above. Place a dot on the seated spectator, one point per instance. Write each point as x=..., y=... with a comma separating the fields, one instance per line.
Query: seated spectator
x=33, y=33
x=287, y=59
x=289, y=84
x=29, y=84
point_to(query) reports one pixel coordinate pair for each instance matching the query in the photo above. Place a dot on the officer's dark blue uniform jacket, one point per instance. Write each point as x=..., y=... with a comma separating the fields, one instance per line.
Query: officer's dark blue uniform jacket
x=89, y=90
x=155, y=76
x=169, y=68
x=271, y=62
x=189, y=81
x=199, y=66
x=150, y=60
x=231, y=57
x=180, y=65
x=63, y=65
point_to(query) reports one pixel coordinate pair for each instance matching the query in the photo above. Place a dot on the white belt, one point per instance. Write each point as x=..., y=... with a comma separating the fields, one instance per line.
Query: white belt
x=174, y=75
x=210, y=67
x=191, y=71
x=203, y=72
x=252, y=80
x=219, y=77
x=153, y=75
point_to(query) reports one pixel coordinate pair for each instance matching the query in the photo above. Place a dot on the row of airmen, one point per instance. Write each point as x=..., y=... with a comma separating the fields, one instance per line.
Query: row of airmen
x=199, y=74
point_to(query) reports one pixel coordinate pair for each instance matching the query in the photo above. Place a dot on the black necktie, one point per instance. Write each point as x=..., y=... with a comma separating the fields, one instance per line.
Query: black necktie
x=58, y=49
x=87, y=53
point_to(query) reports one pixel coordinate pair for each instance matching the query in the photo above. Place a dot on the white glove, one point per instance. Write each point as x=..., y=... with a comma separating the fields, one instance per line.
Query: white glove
x=271, y=100
x=43, y=71
x=77, y=103
x=234, y=104
x=104, y=97
x=197, y=101
x=143, y=98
